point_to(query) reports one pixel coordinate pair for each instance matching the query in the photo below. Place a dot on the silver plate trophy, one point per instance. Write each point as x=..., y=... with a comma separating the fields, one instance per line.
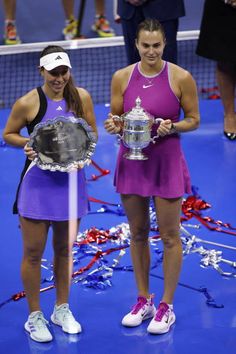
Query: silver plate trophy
x=137, y=126
x=62, y=143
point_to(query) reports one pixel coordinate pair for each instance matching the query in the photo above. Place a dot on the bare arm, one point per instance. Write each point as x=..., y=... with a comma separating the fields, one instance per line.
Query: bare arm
x=110, y=125
x=117, y=93
x=16, y=121
x=189, y=104
x=185, y=88
x=88, y=109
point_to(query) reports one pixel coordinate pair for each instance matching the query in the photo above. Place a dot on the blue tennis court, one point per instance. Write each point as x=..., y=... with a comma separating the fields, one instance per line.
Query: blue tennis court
x=101, y=295
x=103, y=288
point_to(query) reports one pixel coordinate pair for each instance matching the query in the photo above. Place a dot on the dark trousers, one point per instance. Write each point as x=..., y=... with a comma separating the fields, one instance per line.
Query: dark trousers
x=129, y=31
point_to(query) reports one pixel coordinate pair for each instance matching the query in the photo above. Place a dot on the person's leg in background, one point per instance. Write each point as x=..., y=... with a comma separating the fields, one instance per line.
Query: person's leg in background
x=226, y=79
x=129, y=28
x=70, y=28
x=101, y=25
x=170, y=52
x=10, y=32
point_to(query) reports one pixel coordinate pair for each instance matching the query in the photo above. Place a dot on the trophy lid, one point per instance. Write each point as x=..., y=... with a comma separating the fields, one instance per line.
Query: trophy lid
x=138, y=113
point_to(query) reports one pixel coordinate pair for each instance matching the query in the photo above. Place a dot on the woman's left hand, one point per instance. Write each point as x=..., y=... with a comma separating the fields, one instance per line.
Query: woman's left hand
x=29, y=152
x=111, y=125
x=164, y=127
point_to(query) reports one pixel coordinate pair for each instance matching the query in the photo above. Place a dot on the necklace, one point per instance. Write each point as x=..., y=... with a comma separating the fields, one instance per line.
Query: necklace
x=149, y=78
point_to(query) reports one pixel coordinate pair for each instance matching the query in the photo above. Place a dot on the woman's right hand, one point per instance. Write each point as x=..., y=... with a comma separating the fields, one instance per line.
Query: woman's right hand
x=29, y=152
x=111, y=126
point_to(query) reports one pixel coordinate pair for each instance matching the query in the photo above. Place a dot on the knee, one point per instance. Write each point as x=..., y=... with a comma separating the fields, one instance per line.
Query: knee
x=62, y=251
x=33, y=256
x=140, y=235
x=170, y=239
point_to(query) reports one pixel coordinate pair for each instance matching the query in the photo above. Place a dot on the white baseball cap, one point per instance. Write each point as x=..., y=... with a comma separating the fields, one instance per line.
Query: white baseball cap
x=53, y=60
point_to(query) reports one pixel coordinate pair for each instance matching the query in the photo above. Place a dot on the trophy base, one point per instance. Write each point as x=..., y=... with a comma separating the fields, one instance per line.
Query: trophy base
x=135, y=155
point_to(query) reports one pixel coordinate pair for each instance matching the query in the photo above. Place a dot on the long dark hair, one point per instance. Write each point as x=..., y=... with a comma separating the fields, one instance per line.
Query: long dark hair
x=150, y=25
x=70, y=94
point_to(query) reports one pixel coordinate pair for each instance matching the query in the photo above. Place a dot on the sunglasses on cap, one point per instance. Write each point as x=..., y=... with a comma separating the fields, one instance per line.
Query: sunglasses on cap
x=59, y=71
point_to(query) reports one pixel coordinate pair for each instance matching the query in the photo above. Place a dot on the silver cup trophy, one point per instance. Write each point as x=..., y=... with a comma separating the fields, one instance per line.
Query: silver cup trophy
x=137, y=126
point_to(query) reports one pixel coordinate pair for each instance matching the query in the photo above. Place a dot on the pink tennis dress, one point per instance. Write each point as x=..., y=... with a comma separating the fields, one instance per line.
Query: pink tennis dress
x=165, y=173
x=43, y=194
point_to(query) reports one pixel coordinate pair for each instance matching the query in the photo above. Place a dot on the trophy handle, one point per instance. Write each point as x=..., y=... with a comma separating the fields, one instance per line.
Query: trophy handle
x=156, y=120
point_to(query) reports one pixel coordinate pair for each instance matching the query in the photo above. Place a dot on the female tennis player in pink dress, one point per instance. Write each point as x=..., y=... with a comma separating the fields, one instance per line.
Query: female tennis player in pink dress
x=164, y=89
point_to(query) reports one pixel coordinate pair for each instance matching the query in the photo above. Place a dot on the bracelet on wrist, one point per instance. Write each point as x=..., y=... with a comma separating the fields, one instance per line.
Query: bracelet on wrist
x=173, y=129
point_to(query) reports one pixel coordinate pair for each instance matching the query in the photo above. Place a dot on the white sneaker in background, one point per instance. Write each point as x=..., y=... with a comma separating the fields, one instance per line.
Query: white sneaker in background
x=70, y=29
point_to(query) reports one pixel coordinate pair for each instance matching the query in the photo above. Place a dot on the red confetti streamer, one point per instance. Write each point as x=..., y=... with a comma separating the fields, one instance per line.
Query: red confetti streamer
x=103, y=171
x=208, y=89
x=95, y=200
x=98, y=255
x=192, y=207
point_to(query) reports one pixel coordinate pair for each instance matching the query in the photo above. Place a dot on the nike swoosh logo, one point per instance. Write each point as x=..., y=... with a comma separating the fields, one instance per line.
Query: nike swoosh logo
x=146, y=86
x=167, y=320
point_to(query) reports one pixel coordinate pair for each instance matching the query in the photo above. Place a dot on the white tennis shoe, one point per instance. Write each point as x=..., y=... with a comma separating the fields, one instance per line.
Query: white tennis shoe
x=163, y=319
x=62, y=316
x=142, y=310
x=36, y=325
